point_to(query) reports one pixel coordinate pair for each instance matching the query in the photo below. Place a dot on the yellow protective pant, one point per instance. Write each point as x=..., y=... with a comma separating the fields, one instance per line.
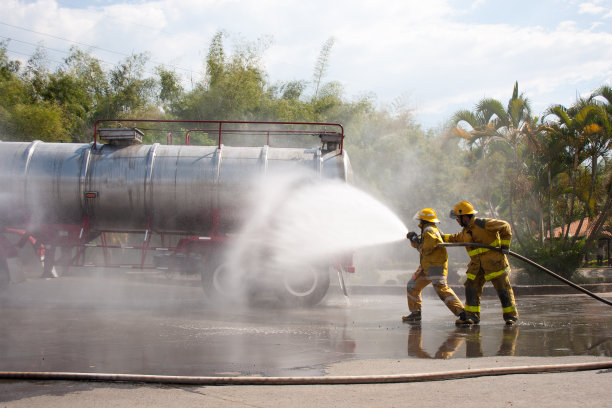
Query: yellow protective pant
x=445, y=351
x=447, y=295
x=473, y=293
x=508, y=343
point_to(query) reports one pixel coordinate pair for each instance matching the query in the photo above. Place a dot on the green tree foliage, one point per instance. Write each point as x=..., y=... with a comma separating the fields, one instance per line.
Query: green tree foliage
x=12, y=92
x=539, y=173
x=24, y=113
x=170, y=89
x=43, y=120
x=555, y=172
x=235, y=86
x=497, y=134
x=131, y=91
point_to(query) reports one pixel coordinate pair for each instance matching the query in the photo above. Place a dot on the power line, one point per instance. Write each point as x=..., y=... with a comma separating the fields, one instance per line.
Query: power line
x=64, y=39
x=63, y=62
x=77, y=7
x=48, y=48
x=65, y=52
x=34, y=45
x=191, y=72
x=29, y=55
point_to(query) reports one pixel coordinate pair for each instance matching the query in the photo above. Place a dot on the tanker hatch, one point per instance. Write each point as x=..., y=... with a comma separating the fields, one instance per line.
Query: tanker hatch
x=330, y=141
x=121, y=136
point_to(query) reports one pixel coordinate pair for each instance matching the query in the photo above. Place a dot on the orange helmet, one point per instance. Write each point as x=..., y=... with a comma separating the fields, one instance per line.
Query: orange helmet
x=462, y=208
x=426, y=214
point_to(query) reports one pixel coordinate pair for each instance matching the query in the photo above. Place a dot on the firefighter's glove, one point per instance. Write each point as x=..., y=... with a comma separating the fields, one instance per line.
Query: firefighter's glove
x=412, y=236
x=505, y=249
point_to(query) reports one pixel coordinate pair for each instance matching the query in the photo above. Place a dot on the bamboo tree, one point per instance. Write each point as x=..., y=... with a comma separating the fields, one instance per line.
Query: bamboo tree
x=322, y=65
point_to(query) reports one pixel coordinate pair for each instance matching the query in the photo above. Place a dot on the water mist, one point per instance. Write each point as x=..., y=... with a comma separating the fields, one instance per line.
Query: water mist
x=298, y=220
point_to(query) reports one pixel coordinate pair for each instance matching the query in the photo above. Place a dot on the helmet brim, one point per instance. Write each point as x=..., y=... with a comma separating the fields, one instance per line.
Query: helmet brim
x=455, y=215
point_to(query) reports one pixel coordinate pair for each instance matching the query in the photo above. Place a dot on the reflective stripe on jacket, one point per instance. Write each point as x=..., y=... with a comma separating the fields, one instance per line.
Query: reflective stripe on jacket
x=486, y=231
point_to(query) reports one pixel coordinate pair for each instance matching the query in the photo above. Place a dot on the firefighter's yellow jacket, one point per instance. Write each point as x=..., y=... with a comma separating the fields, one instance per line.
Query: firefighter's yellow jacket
x=432, y=256
x=489, y=232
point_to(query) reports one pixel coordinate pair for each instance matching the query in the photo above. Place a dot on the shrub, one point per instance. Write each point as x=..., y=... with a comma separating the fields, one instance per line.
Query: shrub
x=556, y=258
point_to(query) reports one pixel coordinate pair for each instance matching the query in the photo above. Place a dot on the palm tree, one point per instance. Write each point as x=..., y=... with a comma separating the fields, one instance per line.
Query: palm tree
x=584, y=127
x=491, y=123
x=602, y=146
x=547, y=159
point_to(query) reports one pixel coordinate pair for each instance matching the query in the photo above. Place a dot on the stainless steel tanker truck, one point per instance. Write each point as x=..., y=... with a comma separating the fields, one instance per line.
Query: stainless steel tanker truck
x=120, y=202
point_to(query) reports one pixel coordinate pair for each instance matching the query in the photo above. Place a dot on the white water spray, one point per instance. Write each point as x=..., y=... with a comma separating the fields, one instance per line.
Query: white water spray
x=296, y=220
x=330, y=217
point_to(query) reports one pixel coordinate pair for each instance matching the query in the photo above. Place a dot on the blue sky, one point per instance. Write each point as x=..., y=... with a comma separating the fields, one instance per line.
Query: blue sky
x=434, y=57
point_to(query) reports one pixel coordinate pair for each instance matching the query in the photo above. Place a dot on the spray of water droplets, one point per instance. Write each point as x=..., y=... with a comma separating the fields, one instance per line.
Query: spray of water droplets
x=297, y=220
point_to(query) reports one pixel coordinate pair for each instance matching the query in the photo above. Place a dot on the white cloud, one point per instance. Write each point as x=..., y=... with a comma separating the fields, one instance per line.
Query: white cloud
x=442, y=56
x=591, y=8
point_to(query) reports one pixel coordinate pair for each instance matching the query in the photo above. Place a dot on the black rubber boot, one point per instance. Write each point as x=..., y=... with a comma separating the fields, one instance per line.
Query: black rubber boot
x=463, y=320
x=413, y=317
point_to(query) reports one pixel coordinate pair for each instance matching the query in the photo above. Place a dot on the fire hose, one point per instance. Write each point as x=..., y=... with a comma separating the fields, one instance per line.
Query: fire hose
x=360, y=379
x=530, y=262
x=369, y=379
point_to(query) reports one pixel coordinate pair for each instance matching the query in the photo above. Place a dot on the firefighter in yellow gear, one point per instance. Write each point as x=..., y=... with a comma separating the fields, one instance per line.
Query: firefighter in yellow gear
x=433, y=268
x=485, y=265
x=468, y=335
x=446, y=350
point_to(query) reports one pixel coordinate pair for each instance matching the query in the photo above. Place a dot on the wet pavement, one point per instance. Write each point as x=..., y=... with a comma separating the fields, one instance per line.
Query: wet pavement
x=110, y=325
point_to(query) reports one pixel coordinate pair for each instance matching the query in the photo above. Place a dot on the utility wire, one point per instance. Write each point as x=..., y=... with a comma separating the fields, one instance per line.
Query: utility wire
x=50, y=49
x=65, y=39
x=55, y=61
x=84, y=10
x=63, y=62
x=35, y=45
x=30, y=55
x=190, y=71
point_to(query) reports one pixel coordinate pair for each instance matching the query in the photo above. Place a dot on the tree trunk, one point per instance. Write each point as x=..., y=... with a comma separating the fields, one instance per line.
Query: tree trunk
x=515, y=230
x=570, y=213
x=601, y=219
x=541, y=225
x=587, y=207
x=550, y=213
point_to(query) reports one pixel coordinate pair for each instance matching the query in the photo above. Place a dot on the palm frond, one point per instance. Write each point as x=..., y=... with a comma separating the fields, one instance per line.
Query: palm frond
x=492, y=109
x=466, y=116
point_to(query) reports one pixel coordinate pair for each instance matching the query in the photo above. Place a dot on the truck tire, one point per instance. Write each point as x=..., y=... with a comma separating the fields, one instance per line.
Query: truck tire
x=306, y=286
x=5, y=277
x=218, y=281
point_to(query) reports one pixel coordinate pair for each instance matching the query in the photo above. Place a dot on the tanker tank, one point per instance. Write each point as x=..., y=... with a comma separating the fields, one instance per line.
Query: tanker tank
x=175, y=189
x=67, y=194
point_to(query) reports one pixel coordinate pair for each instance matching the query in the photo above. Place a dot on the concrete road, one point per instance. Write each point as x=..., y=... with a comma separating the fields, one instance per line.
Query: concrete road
x=81, y=324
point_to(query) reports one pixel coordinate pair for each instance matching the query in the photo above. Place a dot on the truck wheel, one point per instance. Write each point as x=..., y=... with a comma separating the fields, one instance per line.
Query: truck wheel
x=5, y=277
x=219, y=282
x=305, y=286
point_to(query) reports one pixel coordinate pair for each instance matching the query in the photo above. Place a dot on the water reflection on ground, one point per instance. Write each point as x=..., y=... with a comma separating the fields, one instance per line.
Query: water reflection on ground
x=549, y=326
x=125, y=327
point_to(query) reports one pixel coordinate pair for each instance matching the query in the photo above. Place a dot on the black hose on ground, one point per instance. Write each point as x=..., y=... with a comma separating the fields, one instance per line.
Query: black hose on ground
x=360, y=379
x=530, y=262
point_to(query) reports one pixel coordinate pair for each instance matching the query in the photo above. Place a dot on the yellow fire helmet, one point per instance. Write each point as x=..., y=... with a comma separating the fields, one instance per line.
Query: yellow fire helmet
x=426, y=214
x=462, y=208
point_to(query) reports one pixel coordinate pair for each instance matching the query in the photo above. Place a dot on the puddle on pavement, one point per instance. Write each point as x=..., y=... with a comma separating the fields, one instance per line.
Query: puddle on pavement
x=549, y=326
x=48, y=329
